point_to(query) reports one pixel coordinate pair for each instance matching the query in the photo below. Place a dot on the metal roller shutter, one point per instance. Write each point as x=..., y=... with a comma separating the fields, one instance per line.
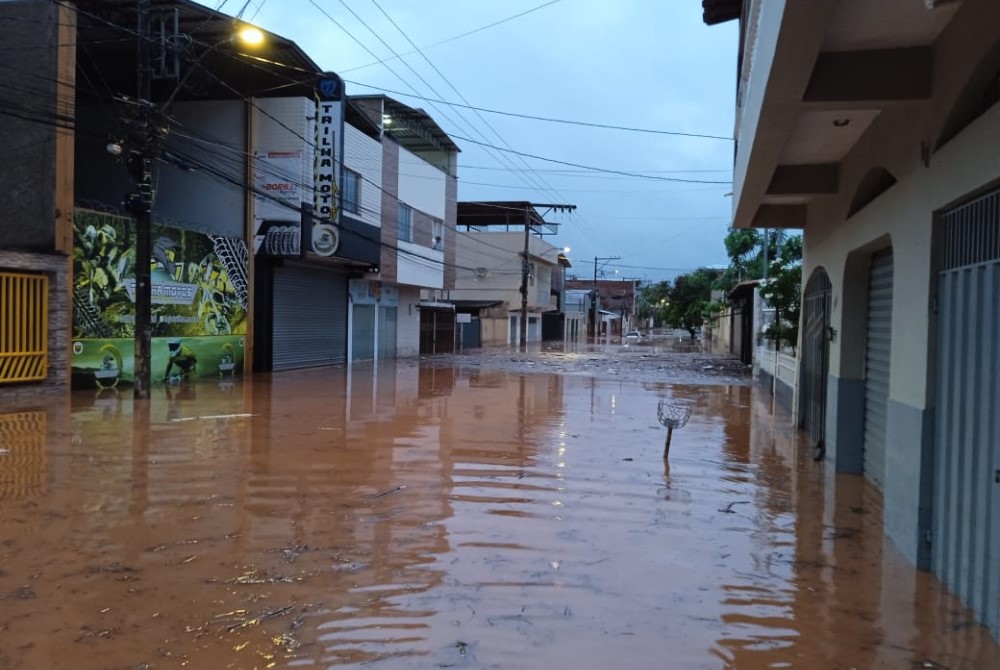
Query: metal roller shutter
x=878, y=349
x=310, y=318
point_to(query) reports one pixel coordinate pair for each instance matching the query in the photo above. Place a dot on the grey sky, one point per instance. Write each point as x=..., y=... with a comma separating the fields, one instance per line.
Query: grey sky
x=639, y=63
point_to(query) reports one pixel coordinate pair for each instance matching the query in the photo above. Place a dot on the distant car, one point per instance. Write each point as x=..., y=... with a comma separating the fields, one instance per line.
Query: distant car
x=633, y=336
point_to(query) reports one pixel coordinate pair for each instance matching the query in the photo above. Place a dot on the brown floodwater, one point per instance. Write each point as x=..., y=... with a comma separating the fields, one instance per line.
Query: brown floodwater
x=434, y=517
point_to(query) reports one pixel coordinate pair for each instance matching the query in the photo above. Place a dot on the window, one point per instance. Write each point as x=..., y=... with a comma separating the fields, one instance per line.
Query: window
x=405, y=233
x=437, y=235
x=352, y=191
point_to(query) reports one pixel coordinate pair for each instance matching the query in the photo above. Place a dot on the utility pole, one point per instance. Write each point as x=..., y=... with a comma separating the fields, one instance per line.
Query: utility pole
x=140, y=203
x=525, y=269
x=526, y=261
x=597, y=294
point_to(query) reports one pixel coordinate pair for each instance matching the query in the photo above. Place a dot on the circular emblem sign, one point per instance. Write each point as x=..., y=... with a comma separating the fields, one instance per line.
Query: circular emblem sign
x=325, y=239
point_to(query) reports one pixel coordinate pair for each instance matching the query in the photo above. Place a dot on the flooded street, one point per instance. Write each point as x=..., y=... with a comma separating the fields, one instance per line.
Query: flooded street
x=434, y=516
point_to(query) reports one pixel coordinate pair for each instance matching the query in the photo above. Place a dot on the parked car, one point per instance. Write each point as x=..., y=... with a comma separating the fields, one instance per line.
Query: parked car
x=633, y=336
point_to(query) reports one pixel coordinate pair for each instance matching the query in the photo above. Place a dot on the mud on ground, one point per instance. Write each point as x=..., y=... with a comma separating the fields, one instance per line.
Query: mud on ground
x=657, y=359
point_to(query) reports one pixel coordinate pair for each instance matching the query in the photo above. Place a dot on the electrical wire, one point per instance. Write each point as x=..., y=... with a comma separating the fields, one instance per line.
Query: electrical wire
x=548, y=119
x=537, y=178
x=460, y=36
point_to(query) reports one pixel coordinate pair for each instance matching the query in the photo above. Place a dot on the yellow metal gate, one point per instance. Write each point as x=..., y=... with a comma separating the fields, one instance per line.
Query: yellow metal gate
x=24, y=325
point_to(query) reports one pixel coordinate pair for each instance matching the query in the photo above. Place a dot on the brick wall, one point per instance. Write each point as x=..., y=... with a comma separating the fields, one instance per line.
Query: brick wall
x=450, y=241
x=390, y=202
x=60, y=315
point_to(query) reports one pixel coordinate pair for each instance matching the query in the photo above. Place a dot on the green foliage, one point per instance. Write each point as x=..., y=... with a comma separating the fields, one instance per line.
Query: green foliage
x=653, y=301
x=783, y=291
x=689, y=298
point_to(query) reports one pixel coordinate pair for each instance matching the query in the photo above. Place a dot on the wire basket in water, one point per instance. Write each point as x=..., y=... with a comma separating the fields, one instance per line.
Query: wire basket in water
x=672, y=416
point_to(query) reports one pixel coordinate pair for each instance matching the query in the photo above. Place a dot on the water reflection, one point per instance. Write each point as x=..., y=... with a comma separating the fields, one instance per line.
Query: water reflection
x=433, y=517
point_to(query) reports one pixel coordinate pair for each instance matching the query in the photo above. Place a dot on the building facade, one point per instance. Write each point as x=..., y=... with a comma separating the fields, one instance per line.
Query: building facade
x=864, y=124
x=490, y=271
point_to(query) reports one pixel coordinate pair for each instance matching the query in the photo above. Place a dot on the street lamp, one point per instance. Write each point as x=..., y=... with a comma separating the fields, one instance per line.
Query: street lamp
x=146, y=143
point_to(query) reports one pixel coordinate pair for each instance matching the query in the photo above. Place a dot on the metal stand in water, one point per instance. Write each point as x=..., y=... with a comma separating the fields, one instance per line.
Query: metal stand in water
x=671, y=416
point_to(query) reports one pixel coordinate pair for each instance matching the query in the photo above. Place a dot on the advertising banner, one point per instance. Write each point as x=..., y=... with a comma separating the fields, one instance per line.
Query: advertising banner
x=199, y=296
x=277, y=204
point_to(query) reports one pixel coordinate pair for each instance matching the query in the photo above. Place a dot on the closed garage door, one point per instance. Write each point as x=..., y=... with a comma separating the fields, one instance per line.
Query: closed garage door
x=877, y=353
x=310, y=318
x=966, y=523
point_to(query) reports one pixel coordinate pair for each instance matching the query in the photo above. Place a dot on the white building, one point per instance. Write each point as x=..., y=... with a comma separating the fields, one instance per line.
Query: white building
x=873, y=125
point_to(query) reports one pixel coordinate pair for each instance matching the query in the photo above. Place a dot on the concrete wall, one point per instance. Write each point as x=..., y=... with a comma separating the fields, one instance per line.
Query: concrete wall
x=418, y=265
x=499, y=255
x=408, y=322
x=421, y=185
x=28, y=167
x=195, y=199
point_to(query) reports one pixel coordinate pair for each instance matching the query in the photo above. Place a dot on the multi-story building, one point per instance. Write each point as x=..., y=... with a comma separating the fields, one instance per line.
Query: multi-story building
x=490, y=270
x=400, y=305
x=871, y=126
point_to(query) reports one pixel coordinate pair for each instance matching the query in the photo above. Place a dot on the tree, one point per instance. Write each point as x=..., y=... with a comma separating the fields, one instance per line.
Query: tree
x=783, y=290
x=653, y=300
x=689, y=299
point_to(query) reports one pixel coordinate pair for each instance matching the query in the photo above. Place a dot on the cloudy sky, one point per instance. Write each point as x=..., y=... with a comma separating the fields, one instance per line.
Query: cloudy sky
x=647, y=64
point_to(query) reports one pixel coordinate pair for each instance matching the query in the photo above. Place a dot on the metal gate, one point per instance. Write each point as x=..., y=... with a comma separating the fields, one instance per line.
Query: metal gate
x=816, y=356
x=966, y=521
x=437, y=331
x=878, y=349
x=309, y=325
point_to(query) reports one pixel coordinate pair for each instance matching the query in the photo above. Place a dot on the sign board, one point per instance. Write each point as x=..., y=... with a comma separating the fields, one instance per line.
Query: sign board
x=463, y=318
x=277, y=204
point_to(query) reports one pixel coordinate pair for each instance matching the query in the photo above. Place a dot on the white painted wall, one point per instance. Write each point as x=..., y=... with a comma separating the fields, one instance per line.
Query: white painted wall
x=283, y=124
x=421, y=185
x=408, y=322
x=419, y=266
x=499, y=255
x=363, y=155
x=905, y=213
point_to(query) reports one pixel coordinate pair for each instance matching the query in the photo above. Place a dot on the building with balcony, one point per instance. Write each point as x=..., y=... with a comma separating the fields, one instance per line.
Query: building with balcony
x=490, y=272
x=869, y=124
x=399, y=309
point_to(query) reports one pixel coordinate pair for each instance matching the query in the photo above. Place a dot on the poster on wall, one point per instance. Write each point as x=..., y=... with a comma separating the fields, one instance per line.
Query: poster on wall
x=199, y=303
x=278, y=204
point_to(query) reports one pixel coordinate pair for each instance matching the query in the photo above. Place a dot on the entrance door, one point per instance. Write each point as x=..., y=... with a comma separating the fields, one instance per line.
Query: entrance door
x=966, y=521
x=816, y=358
x=878, y=350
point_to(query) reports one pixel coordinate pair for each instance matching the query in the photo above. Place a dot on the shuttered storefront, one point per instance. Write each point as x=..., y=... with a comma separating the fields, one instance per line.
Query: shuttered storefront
x=309, y=327
x=878, y=349
x=966, y=521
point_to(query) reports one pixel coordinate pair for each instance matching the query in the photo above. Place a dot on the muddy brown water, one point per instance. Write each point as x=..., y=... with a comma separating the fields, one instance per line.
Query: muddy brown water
x=418, y=517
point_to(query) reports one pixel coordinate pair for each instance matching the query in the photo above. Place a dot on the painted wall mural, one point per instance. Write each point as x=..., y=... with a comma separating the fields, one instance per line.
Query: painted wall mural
x=199, y=311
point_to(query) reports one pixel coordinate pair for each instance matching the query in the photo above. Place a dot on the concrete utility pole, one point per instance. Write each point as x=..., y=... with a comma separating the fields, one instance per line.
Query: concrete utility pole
x=526, y=261
x=597, y=294
x=140, y=203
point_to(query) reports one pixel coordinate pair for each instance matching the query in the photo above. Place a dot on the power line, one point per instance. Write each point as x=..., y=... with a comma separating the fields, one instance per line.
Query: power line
x=538, y=178
x=548, y=119
x=592, y=168
x=460, y=36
